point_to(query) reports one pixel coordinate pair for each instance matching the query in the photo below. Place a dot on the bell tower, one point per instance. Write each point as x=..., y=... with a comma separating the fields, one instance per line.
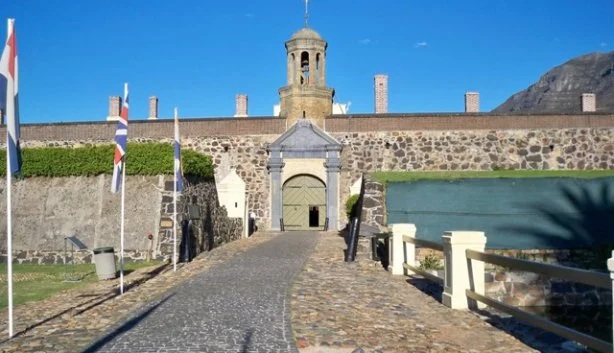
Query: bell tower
x=306, y=94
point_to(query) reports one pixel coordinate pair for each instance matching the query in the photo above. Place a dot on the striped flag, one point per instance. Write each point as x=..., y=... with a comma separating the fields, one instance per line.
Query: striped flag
x=9, y=94
x=177, y=143
x=121, y=138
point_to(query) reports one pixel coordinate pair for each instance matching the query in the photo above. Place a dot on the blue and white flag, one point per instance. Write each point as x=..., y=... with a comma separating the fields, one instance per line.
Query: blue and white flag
x=177, y=143
x=9, y=97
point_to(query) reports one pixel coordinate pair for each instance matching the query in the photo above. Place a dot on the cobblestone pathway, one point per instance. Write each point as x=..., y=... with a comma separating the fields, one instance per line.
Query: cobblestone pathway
x=360, y=307
x=71, y=321
x=235, y=299
x=241, y=306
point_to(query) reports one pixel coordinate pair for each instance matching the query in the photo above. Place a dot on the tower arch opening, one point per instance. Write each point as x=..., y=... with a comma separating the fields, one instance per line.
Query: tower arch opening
x=305, y=68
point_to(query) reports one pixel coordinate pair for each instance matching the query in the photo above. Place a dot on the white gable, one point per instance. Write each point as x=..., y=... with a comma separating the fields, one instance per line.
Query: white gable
x=231, y=194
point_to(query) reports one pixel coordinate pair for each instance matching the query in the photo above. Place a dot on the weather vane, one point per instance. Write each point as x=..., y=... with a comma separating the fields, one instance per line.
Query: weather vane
x=306, y=12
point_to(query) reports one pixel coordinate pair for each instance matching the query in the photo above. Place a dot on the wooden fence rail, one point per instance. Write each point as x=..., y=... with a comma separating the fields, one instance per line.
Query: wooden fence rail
x=463, y=281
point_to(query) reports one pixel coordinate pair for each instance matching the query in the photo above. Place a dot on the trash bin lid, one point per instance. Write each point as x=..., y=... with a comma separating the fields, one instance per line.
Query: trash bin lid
x=105, y=249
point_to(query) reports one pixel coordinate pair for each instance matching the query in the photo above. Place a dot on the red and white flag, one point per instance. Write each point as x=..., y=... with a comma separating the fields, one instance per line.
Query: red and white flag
x=121, y=139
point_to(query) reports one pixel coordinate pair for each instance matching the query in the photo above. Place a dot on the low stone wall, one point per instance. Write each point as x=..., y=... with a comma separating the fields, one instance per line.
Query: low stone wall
x=588, y=259
x=530, y=289
x=39, y=257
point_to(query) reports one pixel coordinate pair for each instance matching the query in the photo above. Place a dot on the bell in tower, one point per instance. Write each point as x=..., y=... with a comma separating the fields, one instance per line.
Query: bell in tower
x=305, y=69
x=306, y=94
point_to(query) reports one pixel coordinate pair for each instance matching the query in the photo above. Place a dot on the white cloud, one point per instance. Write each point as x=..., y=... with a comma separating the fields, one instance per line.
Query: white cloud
x=603, y=44
x=420, y=44
x=365, y=41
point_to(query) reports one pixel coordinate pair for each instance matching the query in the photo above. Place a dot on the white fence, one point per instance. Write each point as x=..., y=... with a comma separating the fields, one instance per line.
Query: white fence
x=463, y=282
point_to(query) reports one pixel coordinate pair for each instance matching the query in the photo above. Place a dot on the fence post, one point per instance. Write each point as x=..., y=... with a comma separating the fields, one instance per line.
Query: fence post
x=460, y=273
x=397, y=256
x=611, y=269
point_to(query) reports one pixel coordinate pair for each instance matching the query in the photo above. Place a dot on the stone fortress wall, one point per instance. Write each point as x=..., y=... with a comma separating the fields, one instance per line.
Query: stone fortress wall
x=385, y=142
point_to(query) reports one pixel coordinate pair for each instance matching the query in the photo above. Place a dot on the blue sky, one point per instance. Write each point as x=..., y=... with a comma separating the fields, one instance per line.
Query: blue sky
x=197, y=55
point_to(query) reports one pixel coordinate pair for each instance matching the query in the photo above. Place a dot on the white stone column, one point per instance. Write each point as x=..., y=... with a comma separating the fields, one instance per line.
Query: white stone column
x=461, y=274
x=402, y=252
x=275, y=167
x=115, y=103
x=588, y=102
x=333, y=167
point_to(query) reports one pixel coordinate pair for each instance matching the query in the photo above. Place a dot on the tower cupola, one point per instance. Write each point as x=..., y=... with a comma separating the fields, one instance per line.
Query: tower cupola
x=305, y=94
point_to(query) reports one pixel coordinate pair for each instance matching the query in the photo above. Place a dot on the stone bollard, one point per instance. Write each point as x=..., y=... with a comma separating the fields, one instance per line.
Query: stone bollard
x=402, y=252
x=460, y=274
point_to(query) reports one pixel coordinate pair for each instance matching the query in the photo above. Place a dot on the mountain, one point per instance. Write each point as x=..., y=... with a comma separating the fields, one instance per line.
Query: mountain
x=560, y=89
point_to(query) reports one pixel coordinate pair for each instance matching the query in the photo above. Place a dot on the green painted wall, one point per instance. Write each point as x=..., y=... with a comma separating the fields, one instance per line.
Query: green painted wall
x=530, y=213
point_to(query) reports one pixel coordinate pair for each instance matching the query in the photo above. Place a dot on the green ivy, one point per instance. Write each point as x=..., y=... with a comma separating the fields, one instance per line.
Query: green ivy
x=141, y=159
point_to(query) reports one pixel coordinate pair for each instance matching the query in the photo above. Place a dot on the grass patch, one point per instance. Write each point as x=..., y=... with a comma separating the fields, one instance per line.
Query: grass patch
x=38, y=282
x=396, y=177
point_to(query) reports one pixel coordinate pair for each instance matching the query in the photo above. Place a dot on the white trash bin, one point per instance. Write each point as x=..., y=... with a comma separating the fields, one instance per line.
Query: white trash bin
x=104, y=258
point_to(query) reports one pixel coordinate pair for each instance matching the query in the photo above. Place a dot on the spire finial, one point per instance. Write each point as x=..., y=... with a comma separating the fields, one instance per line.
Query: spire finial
x=306, y=12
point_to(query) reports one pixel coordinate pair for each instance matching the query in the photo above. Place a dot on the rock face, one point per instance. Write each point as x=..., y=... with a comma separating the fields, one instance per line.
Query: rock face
x=560, y=89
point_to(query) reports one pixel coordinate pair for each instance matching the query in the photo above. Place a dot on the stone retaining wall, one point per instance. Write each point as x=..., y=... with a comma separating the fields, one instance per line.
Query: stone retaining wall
x=530, y=289
x=247, y=153
x=374, y=204
x=47, y=210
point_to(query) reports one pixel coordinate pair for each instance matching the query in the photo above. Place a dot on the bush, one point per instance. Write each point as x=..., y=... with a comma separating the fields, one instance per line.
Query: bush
x=350, y=205
x=141, y=159
x=430, y=262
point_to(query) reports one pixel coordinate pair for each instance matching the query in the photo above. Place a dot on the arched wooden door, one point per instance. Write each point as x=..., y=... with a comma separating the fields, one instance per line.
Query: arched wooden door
x=304, y=203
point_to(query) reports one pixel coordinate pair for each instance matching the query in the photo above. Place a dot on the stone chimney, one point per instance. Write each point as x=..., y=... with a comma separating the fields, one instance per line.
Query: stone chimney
x=241, y=106
x=381, y=94
x=472, y=102
x=115, y=103
x=153, y=108
x=588, y=102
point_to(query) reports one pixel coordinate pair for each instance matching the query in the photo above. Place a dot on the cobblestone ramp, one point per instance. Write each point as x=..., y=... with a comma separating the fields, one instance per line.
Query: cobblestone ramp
x=240, y=306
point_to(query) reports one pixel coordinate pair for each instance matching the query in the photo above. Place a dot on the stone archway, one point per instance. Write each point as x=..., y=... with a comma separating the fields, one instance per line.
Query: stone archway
x=304, y=203
x=305, y=150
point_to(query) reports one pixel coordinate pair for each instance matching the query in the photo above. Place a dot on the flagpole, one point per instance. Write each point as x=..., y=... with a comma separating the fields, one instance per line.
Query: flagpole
x=121, y=251
x=175, y=211
x=175, y=226
x=9, y=236
x=11, y=120
x=246, y=216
